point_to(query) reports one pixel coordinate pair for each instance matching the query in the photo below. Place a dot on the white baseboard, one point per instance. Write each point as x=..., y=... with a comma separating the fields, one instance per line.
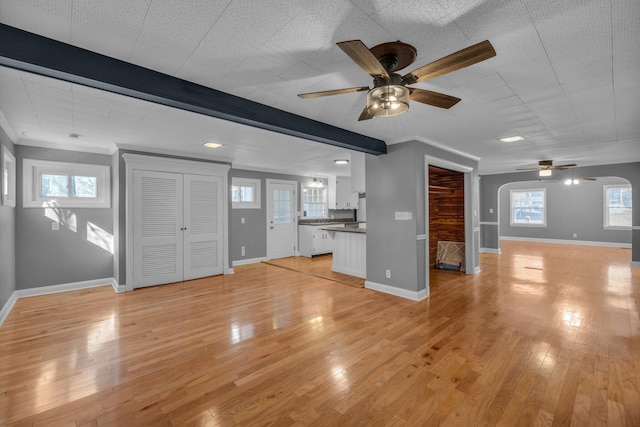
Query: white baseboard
x=392, y=290
x=7, y=307
x=635, y=264
x=490, y=251
x=349, y=271
x=569, y=242
x=54, y=289
x=248, y=261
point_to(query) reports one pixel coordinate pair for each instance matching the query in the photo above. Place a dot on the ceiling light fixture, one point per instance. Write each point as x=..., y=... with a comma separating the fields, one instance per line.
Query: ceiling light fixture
x=511, y=139
x=341, y=161
x=317, y=183
x=570, y=181
x=545, y=172
x=388, y=100
x=212, y=145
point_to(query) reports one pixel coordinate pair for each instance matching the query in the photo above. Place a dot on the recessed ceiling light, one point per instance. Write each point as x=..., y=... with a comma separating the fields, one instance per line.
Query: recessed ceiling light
x=212, y=145
x=341, y=161
x=511, y=139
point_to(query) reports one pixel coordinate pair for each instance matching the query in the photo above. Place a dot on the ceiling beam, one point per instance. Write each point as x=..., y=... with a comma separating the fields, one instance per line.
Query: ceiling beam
x=30, y=52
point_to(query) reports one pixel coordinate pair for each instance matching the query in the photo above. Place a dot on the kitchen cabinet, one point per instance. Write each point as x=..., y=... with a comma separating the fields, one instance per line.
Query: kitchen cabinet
x=344, y=197
x=313, y=240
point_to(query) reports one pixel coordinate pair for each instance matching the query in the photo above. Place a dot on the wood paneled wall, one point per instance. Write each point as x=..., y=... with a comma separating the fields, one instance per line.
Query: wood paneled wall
x=446, y=210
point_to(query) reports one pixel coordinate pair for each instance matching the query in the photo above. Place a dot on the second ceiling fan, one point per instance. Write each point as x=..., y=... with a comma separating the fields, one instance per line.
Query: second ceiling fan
x=390, y=94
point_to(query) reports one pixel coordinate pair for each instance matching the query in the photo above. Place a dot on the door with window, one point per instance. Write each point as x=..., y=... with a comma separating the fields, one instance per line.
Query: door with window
x=281, y=219
x=177, y=227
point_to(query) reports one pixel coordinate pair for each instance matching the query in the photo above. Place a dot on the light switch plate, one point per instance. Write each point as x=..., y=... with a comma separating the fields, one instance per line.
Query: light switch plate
x=55, y=226
x=404, y=216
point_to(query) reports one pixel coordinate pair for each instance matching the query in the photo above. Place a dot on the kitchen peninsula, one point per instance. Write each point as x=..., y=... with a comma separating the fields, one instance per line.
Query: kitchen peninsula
x=349, y=250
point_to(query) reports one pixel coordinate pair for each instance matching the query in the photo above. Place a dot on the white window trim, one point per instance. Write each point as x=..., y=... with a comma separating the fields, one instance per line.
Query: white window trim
x=605, y=207
x=8, y=178
x=32, y=169
x=524, y=224
x=247, y=182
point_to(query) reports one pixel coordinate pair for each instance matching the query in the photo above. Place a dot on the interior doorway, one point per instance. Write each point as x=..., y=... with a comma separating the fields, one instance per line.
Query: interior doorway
x=446, y=218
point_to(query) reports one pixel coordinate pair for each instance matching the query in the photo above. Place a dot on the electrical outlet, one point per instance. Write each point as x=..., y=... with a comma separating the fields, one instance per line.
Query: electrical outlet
x=55, y=226
x=490, y=210
x=575, y=235
x=242, y=252
x=388, y=274
x=241, y=220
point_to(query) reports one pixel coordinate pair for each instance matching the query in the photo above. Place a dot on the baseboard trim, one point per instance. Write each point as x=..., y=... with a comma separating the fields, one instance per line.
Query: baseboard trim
x=7, y=307
x=392, y=290
x=248, y=261
x=569, y=242
x=490, y=251
x=476, y=269
x=54, y=289
x=635, y=264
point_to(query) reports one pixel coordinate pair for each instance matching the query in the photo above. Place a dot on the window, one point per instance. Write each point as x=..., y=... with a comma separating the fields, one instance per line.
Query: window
x=66, y=185
x=314, y=202
x=8, y=178
x=245, y=193
x=617, y=206
x=528, y=208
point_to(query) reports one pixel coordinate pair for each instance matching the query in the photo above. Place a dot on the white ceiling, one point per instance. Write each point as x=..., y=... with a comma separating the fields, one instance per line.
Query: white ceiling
x=566, y=77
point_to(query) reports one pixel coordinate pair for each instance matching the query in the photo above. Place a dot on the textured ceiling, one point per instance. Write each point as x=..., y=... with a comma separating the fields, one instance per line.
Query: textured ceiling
x=566, y=77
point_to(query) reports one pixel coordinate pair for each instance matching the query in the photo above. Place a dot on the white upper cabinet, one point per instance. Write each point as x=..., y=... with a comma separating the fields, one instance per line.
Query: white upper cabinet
x=358, y=172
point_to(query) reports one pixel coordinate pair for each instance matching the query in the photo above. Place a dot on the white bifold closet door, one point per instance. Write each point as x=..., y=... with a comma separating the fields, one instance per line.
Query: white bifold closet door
x=177, y=227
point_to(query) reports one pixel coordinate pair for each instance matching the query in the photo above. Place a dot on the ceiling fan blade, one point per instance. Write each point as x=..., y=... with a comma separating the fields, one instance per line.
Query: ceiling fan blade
x=365, y=115
x=530, y=169
x=586, y=178
x=332, y=92
x=461, y=59
x=563, y=166
x=361, y=55
x=433, y=98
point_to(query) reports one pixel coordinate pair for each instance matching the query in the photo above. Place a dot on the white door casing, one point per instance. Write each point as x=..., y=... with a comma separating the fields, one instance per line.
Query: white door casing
x=281, y=219
x=184, y=168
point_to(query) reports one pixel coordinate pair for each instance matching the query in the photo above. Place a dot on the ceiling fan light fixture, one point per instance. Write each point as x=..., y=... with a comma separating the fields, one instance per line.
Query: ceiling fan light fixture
x=567, y=181
x=544, y=172
x=388, y=100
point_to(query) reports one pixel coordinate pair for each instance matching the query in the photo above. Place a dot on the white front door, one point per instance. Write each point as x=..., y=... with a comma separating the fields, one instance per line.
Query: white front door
x=281, y=219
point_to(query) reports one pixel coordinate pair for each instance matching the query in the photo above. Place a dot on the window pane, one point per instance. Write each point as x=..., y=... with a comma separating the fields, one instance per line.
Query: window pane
x=313, y=202
x=619, y=207
x=246, y=194
x=84, y=186
x=54, y=185
x=281, y=206
x=527, y=207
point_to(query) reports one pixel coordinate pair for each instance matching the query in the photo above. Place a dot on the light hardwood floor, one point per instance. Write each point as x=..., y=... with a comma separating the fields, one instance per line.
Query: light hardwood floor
x=544, y=335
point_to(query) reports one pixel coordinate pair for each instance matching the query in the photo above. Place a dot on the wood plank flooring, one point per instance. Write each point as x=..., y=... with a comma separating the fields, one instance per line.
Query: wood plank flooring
x=544, y=335
x=319, y=266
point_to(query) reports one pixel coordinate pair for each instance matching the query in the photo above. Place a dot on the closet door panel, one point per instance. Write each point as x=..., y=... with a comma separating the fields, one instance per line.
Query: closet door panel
x=203, y=236
x=157, y=228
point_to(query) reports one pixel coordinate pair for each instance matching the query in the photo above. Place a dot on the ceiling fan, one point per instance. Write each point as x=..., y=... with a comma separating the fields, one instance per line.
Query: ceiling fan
x=546, y=166
x=390, y=94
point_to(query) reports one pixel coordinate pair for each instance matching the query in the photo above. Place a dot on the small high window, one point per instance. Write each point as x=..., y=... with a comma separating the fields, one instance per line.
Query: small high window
x=245, y=193
x=617, y=206
x=67, y=185
x=8, y=178
x=528, y=208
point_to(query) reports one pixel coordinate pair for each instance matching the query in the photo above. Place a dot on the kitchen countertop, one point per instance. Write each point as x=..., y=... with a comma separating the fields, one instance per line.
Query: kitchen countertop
x=346, y=229
x=328, y=222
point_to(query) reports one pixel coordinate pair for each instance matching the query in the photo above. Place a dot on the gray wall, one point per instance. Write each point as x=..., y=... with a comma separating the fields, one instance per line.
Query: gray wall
x=396, y=182
x=253, y=233
x=490, y=184
x=45, y=257
x=7, y=238
x=570, y=209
